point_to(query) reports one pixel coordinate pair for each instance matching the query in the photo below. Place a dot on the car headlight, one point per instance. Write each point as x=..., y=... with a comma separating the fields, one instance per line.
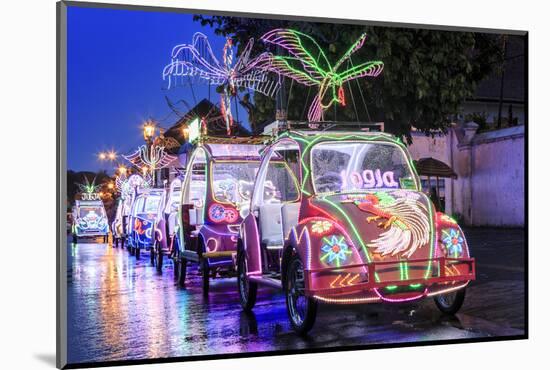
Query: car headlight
x=451, y=239
x=335, y=251
x=453, y=242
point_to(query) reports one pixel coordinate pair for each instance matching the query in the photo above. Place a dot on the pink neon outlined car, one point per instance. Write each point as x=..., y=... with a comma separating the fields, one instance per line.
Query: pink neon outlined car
x=349, y=224
x=215, y=193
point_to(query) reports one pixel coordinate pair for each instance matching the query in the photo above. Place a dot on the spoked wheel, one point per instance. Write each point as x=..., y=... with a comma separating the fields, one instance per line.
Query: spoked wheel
x=160, y=258
x=182, y=271
x=301, y=310
x=205, y=276
x=247, y=288
x=451, y=302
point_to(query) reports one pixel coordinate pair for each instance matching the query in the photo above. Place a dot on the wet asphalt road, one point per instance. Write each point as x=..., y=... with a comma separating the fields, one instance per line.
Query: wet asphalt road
x=120, y=308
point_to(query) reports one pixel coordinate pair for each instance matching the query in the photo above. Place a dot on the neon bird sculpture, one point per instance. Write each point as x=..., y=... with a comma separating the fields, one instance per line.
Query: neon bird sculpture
x=198, y=60
x=303, y=67
x=406, y=226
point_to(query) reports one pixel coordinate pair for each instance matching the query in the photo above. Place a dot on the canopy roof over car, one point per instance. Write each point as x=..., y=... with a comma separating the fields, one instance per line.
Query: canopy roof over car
x=432, y=167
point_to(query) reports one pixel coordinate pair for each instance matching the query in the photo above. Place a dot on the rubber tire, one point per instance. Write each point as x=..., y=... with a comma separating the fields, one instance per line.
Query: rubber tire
x=311, y=311
x=159, y=260
x=152, y=256
x=205, y=276
x=138, y=253
x=176, y=268
x=455, y=306
x=182, y=271
x=250, y=300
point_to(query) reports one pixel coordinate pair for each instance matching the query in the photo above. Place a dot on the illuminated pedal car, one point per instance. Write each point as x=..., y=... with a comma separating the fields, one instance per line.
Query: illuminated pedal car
x=89, y=220
x=348, y=224
x=215, y=192
x=146, y=212
x=165, y=227
x=118, y=225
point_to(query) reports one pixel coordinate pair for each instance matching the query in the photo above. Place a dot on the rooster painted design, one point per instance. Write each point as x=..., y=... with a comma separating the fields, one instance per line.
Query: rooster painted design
x=402, y=216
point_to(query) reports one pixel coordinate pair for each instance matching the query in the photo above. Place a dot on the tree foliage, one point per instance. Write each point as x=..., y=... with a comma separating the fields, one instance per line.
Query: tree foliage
x=427, y=74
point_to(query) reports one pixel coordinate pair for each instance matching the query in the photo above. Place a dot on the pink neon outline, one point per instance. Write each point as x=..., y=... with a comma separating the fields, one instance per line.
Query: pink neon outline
x=397, y=300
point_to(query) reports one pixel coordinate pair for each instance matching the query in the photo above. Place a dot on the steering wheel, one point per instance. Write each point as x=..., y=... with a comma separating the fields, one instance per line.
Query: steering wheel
x=330, y=181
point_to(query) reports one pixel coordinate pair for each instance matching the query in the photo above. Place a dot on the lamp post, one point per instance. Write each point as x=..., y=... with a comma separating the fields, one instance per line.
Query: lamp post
x=149, y=129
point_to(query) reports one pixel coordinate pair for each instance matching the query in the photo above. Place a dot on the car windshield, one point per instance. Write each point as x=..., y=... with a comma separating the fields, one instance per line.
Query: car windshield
x=152, y=203
x=351, y=166
x=233, y=181
x=91, y=212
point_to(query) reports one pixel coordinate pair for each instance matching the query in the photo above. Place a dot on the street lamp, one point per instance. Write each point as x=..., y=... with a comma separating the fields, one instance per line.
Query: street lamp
x=122, y=170
x=148, y=130
x=107, y=156
x=185, y=132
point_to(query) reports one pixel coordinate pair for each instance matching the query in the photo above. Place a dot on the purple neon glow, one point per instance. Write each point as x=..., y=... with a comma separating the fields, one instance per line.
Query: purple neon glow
x=198, y=60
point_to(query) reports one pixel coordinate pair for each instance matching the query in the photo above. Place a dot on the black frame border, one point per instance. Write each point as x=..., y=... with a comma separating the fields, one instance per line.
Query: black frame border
x=61, y=196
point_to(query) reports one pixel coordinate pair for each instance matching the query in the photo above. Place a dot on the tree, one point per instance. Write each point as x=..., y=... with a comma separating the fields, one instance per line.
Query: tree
x=427, y=74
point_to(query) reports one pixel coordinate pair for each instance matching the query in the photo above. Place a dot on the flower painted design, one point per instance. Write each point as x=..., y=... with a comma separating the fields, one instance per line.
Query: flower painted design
x=217, y=213
x=453, y=241
x=321, y=227
x=335, y=250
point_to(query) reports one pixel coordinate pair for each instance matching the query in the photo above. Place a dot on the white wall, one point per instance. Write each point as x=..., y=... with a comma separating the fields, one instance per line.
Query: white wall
x=489, y=190
x=498, y=178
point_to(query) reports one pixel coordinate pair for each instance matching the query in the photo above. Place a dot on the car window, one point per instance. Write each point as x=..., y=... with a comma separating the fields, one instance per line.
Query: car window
x=280, y=183
x=152, y=204
x=196, y=185
x=351, y=166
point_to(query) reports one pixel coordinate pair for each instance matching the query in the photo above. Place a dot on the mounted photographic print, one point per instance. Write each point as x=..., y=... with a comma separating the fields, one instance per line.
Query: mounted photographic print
x=235, y=185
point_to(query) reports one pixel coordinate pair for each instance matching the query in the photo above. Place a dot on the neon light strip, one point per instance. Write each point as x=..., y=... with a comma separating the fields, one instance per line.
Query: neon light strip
x=397, y=300
x=346, y=300
x=448, y=290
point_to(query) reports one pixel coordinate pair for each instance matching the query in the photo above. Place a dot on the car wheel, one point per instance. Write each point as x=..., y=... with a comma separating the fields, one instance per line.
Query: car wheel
x=451, y=302
x=159, y=260
x=152, y=256
x=182, y=271
x=205, y=267
x=247, y=289
x=176, y=267
x=302, y=310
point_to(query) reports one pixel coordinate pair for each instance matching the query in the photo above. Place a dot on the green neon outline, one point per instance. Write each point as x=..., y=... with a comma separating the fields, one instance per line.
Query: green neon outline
x=355, y=137
x=334, y=78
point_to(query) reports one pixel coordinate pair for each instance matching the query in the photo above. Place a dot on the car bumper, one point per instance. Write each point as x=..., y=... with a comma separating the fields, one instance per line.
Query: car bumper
x=359, y=279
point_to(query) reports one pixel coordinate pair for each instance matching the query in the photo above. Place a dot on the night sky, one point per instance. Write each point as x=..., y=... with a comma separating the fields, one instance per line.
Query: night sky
x=115, y=61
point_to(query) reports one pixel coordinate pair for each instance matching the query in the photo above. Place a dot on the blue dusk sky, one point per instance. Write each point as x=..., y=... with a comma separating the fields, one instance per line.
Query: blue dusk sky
x=115, y=60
